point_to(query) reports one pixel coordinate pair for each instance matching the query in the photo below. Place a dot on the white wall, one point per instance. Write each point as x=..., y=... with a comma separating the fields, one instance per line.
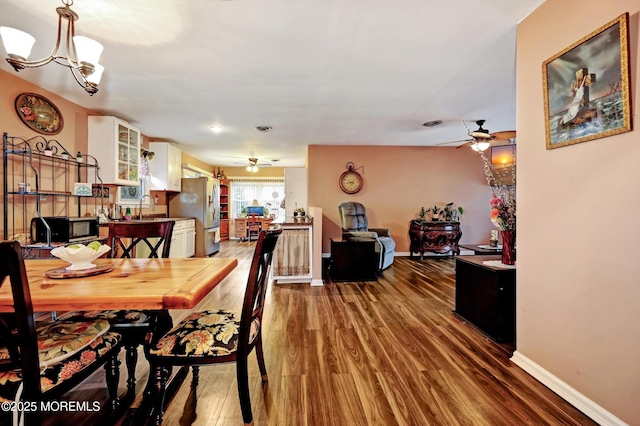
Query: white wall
x=578, y=281
x=295, y=187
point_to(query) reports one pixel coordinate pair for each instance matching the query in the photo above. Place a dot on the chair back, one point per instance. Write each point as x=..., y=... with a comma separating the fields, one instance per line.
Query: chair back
x=253, y=304
x=353, y=216
x=126, y=236
x=26, y=358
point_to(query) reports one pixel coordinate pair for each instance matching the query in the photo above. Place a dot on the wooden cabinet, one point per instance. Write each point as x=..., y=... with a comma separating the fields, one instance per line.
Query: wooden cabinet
x=240, y=227
x=165, y=166
x=224, y=209
x=434, y=236
x=115, y=144
x=486, y=297
x=224, y=229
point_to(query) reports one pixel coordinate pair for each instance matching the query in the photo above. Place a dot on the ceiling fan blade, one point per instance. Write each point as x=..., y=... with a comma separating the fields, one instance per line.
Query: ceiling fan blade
x=465, y=144
x=458, y=141
x=505, y=134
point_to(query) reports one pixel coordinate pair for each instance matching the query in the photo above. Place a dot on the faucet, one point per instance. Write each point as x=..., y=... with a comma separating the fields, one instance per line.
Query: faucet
x=153, y=204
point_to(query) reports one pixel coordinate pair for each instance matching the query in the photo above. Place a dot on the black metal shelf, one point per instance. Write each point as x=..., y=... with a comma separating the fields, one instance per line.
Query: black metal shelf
x=40, y=163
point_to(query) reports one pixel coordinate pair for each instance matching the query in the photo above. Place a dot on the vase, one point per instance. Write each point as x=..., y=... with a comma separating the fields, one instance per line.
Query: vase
x=508, y=247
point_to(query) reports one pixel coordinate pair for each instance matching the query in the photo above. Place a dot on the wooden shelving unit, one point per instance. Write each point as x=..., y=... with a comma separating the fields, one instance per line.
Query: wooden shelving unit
x=224, y=209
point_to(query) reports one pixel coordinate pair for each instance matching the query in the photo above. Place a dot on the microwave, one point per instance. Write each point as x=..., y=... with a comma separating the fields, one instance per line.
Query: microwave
x=64, y=229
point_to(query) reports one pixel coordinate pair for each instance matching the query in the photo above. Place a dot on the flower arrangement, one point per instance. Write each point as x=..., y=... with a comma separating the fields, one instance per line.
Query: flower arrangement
x=503, y=213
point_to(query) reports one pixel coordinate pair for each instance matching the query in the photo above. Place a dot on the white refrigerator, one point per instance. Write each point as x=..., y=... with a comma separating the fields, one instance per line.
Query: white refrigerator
x=200, y=199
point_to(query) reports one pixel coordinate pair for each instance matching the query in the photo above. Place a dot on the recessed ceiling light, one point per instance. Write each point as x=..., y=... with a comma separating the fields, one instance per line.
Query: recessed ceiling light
x=432, y=123
x=216, y=129
x=263, y=129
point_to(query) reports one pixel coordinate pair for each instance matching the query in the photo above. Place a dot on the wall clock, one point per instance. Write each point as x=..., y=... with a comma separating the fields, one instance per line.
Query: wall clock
x=39, y=114
x=350, y=181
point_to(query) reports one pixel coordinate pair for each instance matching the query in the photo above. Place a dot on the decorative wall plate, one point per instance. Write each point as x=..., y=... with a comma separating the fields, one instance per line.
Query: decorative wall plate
x=39, y=114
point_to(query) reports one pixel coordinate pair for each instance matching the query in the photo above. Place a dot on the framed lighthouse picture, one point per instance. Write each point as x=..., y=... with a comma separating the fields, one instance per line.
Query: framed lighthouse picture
x=586, y=87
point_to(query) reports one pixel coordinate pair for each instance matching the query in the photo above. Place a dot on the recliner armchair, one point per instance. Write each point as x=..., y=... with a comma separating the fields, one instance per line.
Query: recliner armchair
x=355, y=225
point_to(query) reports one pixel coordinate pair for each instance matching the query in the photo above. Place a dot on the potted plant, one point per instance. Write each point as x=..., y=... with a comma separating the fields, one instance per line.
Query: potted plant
x=435, y=212
x=452, y=213
x=243, y=212
x=301, y=211
x=422, y=213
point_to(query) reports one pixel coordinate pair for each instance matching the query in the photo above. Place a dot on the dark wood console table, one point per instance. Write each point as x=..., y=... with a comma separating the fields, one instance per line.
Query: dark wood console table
x=486, y=297
x=353, y=260
x=434, y=235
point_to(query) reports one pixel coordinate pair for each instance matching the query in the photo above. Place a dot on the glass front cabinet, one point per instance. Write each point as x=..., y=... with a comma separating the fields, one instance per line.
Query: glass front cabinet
x=116, y=146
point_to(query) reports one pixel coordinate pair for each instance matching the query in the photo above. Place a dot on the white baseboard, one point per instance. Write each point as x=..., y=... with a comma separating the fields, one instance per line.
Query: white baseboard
x=569, y=394
x=316, y=282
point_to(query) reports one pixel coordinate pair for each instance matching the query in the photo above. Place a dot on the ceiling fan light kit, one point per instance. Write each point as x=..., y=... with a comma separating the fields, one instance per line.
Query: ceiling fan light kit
x=480, y=146
x=82, y=53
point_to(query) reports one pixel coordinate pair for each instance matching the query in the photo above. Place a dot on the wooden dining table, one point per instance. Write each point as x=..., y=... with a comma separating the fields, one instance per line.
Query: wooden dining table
x=156, y=285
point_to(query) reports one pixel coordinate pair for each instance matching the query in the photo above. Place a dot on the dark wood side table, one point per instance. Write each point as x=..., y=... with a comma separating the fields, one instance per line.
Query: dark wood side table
x=486, y=297
x=434, y=235
x=482, y=249
x=353, y=260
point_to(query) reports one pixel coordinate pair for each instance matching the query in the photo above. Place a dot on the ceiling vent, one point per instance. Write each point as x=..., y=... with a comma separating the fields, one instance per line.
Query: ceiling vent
x=432, y=123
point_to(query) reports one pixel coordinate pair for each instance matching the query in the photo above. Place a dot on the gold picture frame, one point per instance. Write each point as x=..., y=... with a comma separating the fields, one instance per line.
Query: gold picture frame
x=579, y=104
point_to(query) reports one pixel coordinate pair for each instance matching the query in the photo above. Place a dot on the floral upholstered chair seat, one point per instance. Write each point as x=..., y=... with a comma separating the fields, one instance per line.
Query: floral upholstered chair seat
x=115, y=317
x=64, y=349
x=204, y=334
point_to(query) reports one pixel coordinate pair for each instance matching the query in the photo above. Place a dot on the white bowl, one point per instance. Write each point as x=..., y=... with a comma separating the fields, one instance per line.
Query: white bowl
x=79, y=257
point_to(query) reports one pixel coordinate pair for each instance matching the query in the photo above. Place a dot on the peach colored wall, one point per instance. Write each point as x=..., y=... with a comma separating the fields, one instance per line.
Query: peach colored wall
x=74, y=132
x=578, y=282
x=189, y=159
x=241, y=172
x=398, y=180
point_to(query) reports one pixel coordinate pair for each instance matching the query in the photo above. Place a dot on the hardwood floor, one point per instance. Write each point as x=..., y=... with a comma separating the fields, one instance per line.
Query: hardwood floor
x=386, y=352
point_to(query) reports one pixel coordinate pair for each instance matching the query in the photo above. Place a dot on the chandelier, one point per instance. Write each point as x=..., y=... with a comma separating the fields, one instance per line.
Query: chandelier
x=82, y=53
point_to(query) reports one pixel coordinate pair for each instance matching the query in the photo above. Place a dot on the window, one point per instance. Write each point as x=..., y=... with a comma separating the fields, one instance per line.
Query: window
x=268, y=193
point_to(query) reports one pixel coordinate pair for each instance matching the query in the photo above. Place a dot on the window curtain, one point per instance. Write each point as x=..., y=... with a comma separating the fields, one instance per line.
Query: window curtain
x=291, y=255
x=268, y=192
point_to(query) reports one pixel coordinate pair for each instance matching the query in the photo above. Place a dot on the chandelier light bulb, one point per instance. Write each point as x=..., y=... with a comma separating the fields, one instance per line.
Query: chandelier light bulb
x=96, y=75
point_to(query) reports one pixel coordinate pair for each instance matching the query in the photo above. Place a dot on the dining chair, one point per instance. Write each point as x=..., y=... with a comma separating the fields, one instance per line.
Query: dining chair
x=218, y=336
x=42, y=362
x=129, y=239
x=254, y=226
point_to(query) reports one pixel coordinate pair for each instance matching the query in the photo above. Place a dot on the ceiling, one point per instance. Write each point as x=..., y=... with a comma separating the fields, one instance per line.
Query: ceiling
x=322, y=72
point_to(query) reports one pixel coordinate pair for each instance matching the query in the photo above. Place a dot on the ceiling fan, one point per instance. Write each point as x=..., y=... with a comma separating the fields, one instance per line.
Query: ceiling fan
x=253, y=165
x=481, y=138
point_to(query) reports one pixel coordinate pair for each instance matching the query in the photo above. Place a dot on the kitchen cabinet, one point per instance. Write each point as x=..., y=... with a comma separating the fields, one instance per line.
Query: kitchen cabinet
x=183, y=243
x=115, y=144
x=165, y=166
x=190, y=238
